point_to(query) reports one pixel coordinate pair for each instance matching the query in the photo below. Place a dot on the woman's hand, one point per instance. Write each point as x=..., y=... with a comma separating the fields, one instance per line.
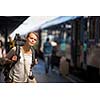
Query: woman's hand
x=36, y=61
x=14, y=58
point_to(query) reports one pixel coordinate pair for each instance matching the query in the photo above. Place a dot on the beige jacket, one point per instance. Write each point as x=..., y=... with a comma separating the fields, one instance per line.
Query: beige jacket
x=20, y=71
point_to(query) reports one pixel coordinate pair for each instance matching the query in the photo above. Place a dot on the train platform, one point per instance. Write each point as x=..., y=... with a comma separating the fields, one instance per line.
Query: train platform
x=52, y=77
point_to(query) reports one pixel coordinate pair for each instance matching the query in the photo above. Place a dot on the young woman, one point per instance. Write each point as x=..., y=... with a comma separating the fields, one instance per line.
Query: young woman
x=21, y=71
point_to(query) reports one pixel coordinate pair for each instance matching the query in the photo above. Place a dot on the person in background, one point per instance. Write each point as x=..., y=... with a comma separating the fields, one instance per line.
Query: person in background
x=2, y=55
x=47, y=50
x=10, y=44
x=63, y=47
x=21, y=71
x=2, y=50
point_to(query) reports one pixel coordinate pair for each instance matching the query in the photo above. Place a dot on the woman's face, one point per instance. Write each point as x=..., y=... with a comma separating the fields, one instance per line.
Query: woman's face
x=31, y=39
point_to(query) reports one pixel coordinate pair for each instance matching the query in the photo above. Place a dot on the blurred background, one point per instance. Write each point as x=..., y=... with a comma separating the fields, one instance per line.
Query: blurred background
x=75, y=41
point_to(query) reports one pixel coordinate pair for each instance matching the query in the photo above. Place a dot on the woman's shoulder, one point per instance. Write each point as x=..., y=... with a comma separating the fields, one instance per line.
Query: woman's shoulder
x=14, y=48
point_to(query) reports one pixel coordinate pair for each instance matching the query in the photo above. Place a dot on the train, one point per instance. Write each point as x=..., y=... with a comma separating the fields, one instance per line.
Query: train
x=85, y=34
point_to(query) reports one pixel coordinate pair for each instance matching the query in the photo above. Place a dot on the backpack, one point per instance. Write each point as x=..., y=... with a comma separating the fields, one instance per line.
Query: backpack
x=8, y=67
x=1, y=66
x=47, y=48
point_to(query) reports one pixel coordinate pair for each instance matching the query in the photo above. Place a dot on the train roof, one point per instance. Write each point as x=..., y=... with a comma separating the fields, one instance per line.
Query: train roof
x=58, y=20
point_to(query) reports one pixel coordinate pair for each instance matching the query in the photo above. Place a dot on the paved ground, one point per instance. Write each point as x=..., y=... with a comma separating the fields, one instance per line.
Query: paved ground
x=51, y=77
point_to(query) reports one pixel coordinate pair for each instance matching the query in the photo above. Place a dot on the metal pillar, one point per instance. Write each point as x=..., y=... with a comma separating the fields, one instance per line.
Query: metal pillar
x=96, y=30
x=74, y=44
x=40, y=41
x=82, y=30
x=6, y=36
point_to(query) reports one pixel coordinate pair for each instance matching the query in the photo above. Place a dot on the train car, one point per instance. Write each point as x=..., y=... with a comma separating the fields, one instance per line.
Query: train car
x=85, y=34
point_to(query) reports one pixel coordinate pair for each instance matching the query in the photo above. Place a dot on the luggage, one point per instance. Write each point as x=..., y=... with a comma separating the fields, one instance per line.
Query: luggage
x=64, y=67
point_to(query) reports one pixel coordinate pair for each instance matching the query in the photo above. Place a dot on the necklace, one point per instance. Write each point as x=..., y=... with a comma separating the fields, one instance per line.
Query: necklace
x=26, y=50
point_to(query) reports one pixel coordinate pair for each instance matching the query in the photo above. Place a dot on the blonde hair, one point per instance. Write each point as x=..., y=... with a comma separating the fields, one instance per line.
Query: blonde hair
x=35, y=33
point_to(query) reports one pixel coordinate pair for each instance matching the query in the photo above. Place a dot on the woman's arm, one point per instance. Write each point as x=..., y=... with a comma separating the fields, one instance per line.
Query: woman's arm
x=10, y=57
x=11, y=53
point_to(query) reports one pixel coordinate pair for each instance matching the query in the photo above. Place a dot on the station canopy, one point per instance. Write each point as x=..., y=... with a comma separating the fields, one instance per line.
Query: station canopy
x=58, y=20
x=9, y=23
x=33, y=23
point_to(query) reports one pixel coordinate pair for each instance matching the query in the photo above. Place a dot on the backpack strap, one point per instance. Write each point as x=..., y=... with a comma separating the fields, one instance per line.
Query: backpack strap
x=33, y=57
x=18, y=52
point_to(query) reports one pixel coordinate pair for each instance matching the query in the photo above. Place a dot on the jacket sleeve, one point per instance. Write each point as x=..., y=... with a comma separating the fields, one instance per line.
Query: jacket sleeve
x=11, y=53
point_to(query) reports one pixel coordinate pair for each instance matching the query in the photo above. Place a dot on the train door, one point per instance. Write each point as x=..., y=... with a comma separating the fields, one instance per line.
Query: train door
x=75, y=45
